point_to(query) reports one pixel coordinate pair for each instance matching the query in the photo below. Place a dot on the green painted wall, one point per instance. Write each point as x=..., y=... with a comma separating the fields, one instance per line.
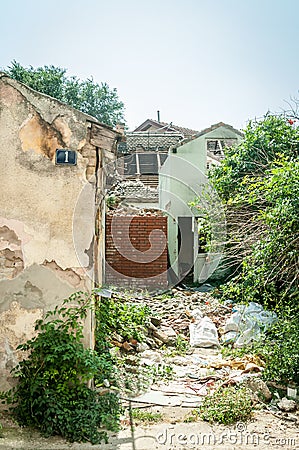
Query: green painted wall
x=180, y=179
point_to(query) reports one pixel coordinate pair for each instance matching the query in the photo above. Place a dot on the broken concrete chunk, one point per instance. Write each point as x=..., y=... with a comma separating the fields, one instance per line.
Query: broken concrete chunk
x=152, y=356
x=133, y=342
x=165, y=334
x=259, y=387
x=127, y=347
x=156, y=321
x=151, y=342
x=287, y=405
x=161, y=336
x=141, y=347
x=117, y=337
x=180, y=361
x=151, y=327
x=170, y=333
x=116, y=343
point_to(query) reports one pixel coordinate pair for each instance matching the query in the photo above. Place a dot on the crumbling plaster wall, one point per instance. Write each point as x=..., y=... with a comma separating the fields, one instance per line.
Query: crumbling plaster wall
x=39, y=263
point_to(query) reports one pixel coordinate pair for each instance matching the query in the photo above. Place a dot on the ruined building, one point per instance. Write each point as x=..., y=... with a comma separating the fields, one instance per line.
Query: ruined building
x=51, y=209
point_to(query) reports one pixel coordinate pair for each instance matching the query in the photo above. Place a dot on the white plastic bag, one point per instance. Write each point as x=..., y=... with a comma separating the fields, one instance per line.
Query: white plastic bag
x=203, y=333
x=248, y=322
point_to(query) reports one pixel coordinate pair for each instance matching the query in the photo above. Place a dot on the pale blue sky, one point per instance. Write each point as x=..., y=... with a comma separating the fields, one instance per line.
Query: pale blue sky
x=198, y=61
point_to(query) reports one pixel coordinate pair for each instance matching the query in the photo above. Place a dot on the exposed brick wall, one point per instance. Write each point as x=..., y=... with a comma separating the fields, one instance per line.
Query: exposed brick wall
x=126, y=237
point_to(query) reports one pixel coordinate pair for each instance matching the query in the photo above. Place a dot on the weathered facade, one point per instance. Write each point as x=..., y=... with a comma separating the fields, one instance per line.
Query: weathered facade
x=51, y=224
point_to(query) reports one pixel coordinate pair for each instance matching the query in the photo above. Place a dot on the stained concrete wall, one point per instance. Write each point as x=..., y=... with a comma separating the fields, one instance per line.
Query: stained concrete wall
x=40, y=261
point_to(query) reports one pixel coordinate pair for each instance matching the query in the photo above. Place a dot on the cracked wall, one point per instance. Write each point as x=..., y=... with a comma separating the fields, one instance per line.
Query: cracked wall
x=39, y=264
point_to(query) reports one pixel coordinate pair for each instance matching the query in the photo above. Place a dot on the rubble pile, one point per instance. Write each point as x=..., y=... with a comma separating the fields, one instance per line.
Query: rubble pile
x=173, y=314
x=199, y=318
x=130, y=210
x=201, y=321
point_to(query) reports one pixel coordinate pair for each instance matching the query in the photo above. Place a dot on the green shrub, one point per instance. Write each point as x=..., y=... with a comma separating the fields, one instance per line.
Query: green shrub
x=127, y=319
x=52, y=393
x=227, y=405
x=280, y=350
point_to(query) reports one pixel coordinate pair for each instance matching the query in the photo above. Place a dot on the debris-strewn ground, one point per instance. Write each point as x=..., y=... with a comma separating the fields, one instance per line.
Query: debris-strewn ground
x=264, y=431
x=177, y=377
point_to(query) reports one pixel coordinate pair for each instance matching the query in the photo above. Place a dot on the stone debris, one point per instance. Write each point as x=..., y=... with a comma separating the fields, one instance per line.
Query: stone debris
x=141, y=347
x=259, y=387
x=173, y=314
x=287, y=405
x=196, y=370
x=133, y=190
x=178, y=309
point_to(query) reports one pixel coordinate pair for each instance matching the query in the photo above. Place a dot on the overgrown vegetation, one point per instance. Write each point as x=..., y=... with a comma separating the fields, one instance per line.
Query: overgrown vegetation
x=118, y=315
x=258, y=182
x=279, y=350
x=52, y=392
x=92, y=98
x=226, y=405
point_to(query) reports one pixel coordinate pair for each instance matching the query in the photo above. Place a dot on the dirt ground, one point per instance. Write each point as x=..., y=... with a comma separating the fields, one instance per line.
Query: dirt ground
x=263, y=431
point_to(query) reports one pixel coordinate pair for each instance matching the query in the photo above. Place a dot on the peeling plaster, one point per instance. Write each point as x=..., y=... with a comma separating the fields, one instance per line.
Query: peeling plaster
x=9, y=239
x=68, y=275
x=36, y=134
x=49, y=108
x=11, y=255
x=81, y=144
x=60, y=124
x=11, y=263
x=16, y=326
x=35, y=287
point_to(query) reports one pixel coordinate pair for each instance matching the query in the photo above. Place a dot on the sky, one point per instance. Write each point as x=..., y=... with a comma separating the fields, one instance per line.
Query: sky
x=198, y=62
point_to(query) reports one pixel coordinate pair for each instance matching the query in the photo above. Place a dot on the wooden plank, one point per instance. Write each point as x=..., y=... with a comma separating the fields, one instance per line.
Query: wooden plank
x=97, y=130
x=103, y=143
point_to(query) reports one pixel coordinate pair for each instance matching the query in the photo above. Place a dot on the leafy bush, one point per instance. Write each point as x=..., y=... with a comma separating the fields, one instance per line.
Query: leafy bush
x=227, y=405
x=127, y=319
x=264, y=142
x=258, y=182
x=280, y=350
x=52, y=392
